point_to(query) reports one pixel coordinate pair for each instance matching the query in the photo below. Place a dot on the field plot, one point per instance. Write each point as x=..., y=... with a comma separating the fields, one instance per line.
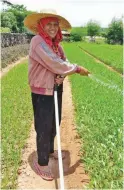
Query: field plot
x=16, y=121
x=98, y=106
x=109, y=54
x=98, y=113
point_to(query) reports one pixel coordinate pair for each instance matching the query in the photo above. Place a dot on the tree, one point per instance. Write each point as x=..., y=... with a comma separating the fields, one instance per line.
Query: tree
x=9, y=20
x=20, y=12
x=115, y=32
x=93, y=29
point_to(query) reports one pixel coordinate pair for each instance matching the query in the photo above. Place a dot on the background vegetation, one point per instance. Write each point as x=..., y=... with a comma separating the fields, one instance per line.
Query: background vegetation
x=12, y=17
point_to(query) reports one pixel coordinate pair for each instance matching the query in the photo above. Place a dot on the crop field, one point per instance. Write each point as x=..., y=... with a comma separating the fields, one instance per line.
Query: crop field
x=16, y=121
x=98, y=105
x=98, y=114
x=110, y=54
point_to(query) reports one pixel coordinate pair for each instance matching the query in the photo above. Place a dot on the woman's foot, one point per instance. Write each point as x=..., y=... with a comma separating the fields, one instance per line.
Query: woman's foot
x=44, y=171
x=55, y=155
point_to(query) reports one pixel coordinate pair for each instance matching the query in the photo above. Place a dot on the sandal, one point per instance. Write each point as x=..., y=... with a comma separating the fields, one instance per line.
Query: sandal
x=55, y=155
x=43, y=174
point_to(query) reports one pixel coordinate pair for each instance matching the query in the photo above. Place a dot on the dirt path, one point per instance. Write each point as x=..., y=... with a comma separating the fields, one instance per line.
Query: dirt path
x=5, y=70
x=74, y=177
x=98, y=61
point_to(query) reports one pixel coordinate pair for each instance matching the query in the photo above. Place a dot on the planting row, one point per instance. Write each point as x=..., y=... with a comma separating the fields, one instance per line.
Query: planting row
x=98, y=105
x=16, y=122
x=110, y=54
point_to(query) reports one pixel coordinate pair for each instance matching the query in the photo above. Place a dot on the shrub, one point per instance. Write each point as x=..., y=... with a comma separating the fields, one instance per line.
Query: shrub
x=5, y=30
x=13, y=53
x=75, y=37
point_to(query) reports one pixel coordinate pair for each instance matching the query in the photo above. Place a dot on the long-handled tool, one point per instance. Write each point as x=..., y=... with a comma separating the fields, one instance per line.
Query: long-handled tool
x=58, y=139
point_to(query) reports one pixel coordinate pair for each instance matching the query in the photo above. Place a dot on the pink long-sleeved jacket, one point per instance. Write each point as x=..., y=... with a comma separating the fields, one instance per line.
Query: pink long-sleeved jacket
x=43, y=66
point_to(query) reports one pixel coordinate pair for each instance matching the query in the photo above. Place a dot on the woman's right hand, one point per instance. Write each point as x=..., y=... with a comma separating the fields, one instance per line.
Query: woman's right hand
x=84, y=71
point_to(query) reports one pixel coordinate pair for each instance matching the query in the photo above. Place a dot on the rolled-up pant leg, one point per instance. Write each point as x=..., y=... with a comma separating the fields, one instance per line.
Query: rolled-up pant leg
x=43, y=107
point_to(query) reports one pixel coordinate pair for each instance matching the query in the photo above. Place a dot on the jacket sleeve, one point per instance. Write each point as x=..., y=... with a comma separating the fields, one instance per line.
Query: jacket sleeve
x=52, y=62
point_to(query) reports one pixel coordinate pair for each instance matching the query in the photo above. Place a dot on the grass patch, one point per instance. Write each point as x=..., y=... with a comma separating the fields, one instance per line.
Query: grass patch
x=16, y=121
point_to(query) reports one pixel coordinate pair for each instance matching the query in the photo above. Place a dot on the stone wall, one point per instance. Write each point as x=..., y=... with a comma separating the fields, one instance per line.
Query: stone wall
x=11, y=39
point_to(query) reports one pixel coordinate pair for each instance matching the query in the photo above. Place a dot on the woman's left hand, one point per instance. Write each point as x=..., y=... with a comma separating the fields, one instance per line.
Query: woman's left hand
x=59, y=80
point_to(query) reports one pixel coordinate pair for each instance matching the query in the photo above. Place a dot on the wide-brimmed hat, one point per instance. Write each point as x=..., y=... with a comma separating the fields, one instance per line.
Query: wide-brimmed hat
x=32, y=20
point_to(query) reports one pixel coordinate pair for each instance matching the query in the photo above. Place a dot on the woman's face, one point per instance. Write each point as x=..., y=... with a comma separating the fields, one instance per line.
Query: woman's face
x=51, y=29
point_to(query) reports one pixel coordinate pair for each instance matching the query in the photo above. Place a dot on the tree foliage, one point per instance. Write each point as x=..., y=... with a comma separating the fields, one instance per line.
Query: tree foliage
x=17, y=15
x=93, y=28
x=20, y=12
x=115, y=32
x=8, y=20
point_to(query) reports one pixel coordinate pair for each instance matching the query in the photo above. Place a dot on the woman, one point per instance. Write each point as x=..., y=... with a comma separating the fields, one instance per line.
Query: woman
x=47, y=67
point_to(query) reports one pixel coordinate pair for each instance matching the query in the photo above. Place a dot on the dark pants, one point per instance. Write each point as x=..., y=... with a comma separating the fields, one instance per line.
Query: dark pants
x=44, y=121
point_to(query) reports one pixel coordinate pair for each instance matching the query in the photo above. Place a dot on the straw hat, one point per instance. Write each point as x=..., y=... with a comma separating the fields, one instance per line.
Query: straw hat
x=31, y=20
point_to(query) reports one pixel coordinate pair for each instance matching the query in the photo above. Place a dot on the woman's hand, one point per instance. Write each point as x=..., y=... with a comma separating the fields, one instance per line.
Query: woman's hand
x=84, y=71
x=59, y=80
